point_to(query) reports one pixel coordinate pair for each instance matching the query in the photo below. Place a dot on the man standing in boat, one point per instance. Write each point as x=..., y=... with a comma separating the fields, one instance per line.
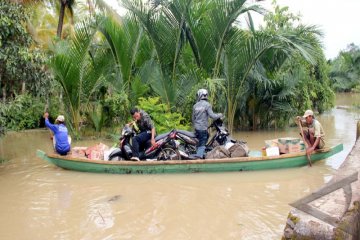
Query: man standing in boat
x=145, y=128
x=202, y=110
x=314, y=134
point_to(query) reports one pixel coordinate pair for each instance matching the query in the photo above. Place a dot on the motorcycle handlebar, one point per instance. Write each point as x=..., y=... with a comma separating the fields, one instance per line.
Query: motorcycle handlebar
x=217, y=122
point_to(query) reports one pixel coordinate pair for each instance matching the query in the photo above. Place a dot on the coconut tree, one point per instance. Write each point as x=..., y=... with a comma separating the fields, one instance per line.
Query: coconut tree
x=43, y=22
x=64, y=4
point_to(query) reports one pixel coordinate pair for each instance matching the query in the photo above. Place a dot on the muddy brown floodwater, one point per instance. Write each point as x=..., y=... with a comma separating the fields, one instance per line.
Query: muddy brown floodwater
x=41, y=201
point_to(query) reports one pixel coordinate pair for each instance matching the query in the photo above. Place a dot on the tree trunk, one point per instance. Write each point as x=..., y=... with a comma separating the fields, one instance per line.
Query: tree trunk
x=61, y=18
x=4, y=93
x=23, y=87
x=2, y=90
x=91, y=8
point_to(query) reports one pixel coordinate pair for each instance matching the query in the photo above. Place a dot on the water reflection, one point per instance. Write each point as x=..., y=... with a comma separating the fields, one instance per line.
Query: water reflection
x=41, y=201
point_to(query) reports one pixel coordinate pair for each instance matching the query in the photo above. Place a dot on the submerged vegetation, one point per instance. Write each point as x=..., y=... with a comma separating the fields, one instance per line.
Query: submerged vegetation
x=98, y=65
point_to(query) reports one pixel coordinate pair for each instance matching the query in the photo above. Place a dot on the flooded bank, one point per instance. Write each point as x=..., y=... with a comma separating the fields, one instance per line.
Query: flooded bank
x=40, y=201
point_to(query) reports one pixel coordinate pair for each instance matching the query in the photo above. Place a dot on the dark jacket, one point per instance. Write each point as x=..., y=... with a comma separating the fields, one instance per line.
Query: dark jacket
x=145, y=123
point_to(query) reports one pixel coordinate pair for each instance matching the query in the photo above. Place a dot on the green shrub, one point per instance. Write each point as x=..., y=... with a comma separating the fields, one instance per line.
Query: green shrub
x=24, y=112
x=163, y=118
x=96, y=116
x=116, y=108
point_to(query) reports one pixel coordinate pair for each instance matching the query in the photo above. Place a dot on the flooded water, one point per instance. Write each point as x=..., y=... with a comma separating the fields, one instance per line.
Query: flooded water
x=41, y=201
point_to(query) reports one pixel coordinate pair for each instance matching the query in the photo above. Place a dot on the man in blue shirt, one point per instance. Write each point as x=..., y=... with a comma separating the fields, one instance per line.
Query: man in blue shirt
x=62, y=139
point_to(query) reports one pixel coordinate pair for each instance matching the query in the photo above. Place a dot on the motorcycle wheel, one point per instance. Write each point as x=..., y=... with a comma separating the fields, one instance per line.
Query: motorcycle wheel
x=168, y=154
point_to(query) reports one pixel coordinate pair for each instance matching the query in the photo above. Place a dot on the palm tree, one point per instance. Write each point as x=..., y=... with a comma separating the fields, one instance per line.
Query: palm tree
x=129, y=47
x=44, y=24
x=219, y=50
x=64, y=4
x=165, y=34
x=79, y=72
x=345, y=69
x=246, y=51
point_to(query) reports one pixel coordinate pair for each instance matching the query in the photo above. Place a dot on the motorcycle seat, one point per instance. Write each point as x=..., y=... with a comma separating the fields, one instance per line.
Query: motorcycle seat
x=161, y=136
x=187, y=133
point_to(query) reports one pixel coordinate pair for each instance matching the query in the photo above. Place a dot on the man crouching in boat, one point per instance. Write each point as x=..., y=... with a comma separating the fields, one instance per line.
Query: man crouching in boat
x=314, y=134
x=146, y=131
x=61, y=138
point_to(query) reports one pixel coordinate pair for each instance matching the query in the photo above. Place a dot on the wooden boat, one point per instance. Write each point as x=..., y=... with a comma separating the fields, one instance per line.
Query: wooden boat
x=185, y=166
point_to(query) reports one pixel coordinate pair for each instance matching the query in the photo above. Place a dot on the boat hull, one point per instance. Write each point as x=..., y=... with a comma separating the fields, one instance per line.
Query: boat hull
x=188, y=166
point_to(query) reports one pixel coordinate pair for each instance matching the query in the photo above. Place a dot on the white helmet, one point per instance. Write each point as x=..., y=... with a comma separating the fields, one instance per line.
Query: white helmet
x=202, y=94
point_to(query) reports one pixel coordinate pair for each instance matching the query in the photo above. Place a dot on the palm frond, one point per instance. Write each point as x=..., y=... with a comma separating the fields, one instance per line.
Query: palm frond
x=77, y=72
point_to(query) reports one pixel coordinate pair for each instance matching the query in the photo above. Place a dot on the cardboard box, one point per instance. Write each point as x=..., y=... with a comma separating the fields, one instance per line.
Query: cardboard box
x=286, y=145
x=290, y=145
x=271, y=143
x=272, y=151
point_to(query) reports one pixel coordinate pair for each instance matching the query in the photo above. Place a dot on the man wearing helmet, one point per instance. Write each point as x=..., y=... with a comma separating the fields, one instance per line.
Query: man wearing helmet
x=202, y=110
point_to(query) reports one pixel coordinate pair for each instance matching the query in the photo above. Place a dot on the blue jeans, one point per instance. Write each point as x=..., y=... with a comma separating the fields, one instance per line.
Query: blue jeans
x=140, y=141
x=202, y=136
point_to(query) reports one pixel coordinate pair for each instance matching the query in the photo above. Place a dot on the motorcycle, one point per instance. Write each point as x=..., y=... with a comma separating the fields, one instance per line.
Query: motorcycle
x=188, y=141
x=164, y=149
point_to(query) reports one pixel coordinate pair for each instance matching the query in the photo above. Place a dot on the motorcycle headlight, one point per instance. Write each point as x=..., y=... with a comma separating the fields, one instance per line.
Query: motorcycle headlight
x=224, y=132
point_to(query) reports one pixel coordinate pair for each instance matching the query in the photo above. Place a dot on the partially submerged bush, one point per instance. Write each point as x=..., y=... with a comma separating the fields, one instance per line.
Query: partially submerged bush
x=24, y=112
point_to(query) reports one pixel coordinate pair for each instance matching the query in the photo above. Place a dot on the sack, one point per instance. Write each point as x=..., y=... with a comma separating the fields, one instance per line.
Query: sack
x=218, y=152
x=96, y=152
x=239, y=150
x=78, y=152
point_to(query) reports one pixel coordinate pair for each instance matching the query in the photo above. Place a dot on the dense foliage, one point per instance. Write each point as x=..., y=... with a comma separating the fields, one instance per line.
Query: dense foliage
x=280, y=87
x=21, y=67
x=22, y=113
x=345, y=70
x=159, y=54
x=161, y=115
